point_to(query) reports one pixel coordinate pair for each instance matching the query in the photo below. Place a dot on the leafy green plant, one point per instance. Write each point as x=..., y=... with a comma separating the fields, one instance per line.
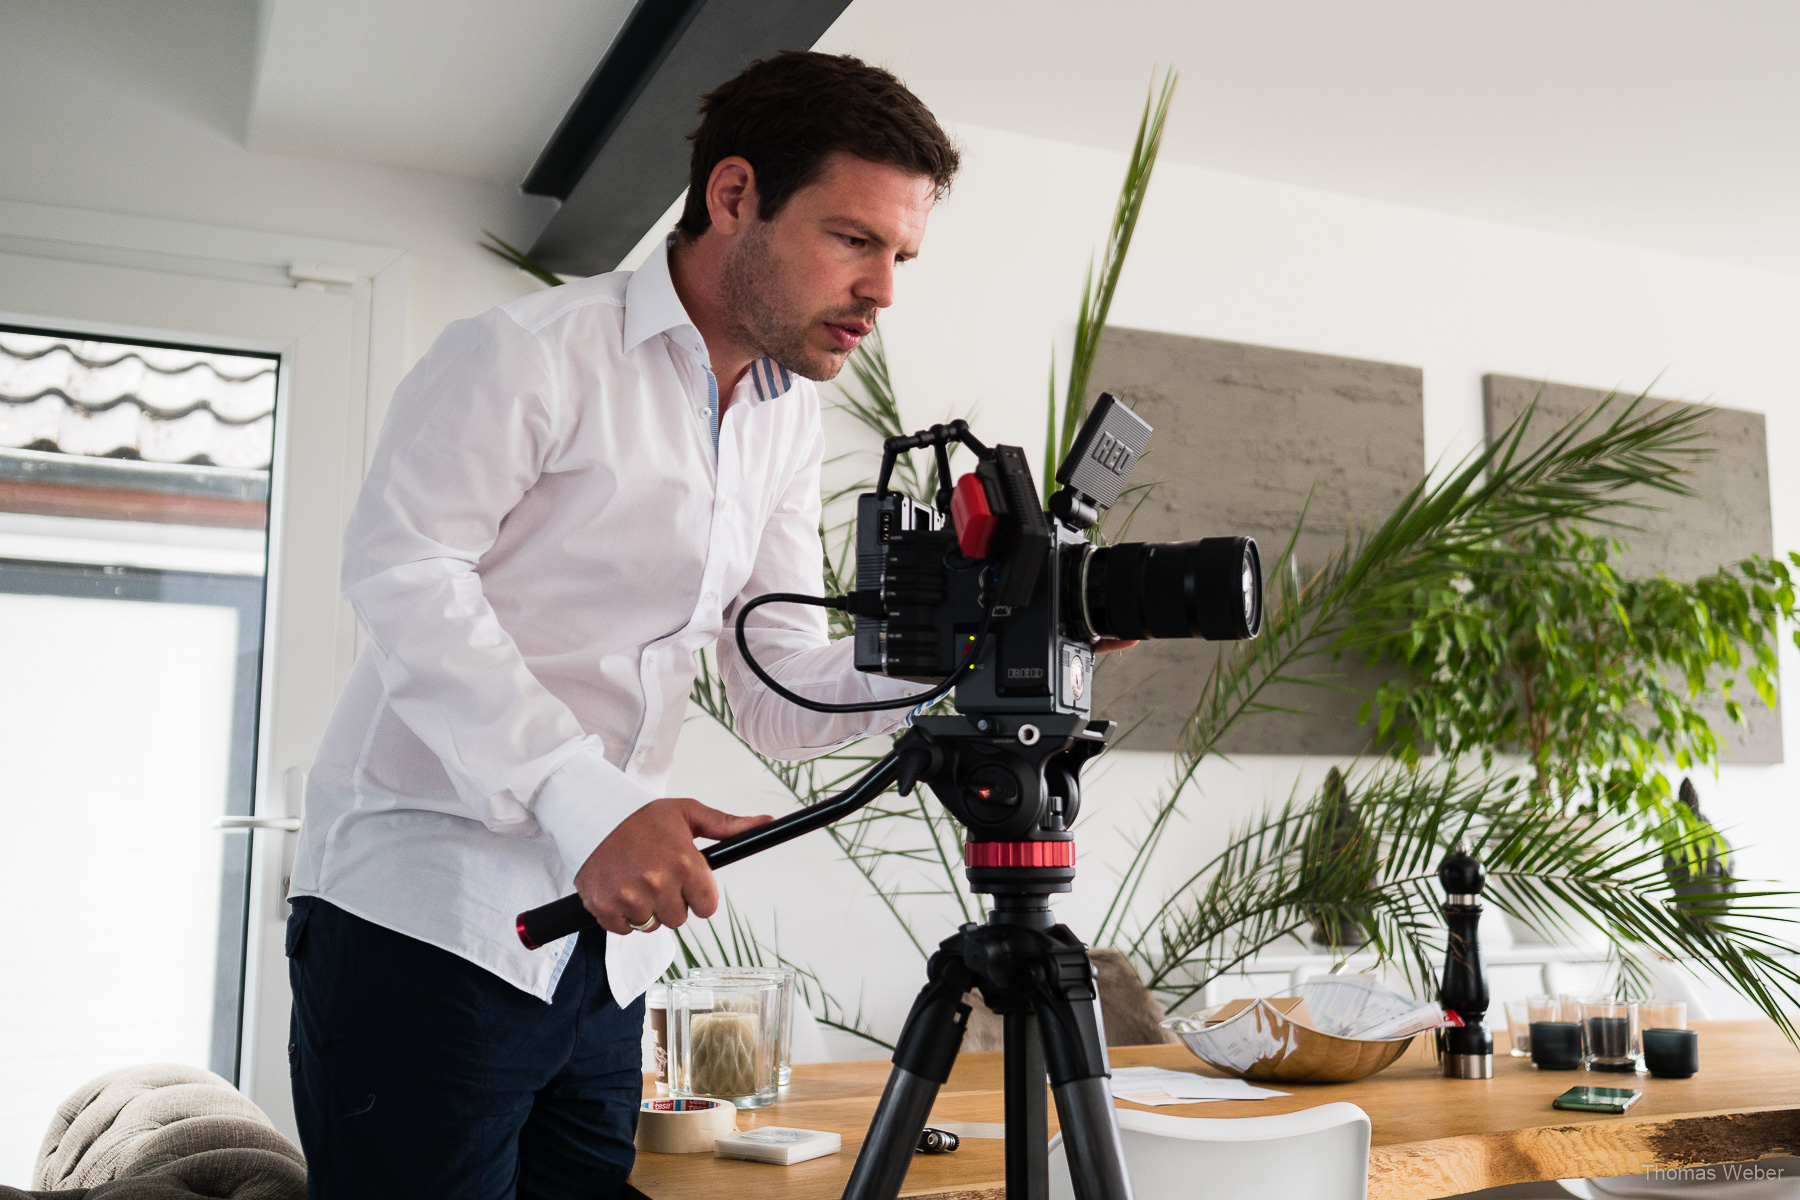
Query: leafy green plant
x=1537, y=644
x=1284, y=868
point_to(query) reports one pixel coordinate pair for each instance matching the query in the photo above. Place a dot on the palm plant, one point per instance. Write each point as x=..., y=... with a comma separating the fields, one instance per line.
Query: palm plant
x=1282, y=870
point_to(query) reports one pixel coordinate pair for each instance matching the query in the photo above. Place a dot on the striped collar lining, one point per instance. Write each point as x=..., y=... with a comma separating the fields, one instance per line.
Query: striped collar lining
x=770, y=378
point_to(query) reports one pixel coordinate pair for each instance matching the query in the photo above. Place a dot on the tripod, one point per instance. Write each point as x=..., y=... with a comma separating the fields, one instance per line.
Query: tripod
x=1014, y=782
x=1036, y=974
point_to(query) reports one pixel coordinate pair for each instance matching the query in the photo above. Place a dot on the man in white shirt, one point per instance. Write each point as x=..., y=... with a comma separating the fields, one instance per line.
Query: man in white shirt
x=571, y=497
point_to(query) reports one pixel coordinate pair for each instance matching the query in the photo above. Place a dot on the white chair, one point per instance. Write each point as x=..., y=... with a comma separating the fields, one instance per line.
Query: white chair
x=1315, y=1154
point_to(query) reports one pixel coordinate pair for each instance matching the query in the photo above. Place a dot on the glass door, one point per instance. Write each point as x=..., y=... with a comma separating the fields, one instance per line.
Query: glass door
x=134, y=521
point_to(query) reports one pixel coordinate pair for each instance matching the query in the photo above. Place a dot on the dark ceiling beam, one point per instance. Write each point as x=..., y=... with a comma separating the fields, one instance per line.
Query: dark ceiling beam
x=620, y=157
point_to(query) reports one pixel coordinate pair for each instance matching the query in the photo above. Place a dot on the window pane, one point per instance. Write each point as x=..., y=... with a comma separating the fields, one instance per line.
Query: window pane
x=134, y=485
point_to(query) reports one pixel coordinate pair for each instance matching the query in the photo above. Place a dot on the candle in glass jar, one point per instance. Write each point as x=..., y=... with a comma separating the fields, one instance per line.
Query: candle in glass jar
x=724, y=1053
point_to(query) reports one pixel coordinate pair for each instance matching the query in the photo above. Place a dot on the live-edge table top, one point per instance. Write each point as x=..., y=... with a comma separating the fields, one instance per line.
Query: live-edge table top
x=1431, y=1136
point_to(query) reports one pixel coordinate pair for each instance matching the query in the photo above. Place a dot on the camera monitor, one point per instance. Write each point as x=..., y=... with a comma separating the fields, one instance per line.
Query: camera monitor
x=1107, y=448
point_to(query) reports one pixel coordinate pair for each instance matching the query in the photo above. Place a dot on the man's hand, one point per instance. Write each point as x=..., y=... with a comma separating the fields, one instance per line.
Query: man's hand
x=649, y=866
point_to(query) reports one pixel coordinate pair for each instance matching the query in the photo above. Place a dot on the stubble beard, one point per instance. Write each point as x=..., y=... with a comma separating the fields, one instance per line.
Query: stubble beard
x=755, y=287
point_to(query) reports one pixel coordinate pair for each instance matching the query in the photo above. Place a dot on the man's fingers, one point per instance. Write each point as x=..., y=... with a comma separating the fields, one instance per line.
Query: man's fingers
x=711, y=823
x=702, y=893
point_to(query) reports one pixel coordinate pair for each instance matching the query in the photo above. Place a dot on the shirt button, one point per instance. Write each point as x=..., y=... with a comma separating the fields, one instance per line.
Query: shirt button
x=706, y=412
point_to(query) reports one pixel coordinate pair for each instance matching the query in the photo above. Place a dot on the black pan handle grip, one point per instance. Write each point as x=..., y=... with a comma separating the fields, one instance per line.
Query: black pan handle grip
x=540, y=926
x=558, y=919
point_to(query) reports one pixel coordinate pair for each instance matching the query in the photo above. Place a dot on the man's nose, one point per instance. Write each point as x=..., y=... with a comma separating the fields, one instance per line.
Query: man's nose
x=877, y=285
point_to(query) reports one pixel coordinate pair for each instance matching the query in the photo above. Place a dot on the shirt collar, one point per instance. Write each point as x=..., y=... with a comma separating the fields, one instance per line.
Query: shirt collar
x=653, y=307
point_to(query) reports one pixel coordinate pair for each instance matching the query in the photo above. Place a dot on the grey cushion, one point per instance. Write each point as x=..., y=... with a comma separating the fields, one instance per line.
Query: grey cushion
x=166, y=1131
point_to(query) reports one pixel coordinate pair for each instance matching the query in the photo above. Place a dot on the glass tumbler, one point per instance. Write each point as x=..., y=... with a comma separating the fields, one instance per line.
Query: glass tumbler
x=1518, y=1027
x=1611, y=1031
x=725, y=1039
x=785, y=977
x=1553, y=1008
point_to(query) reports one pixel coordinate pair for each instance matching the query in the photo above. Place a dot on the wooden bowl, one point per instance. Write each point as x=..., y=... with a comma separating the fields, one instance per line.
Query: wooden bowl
x=1261, y=1044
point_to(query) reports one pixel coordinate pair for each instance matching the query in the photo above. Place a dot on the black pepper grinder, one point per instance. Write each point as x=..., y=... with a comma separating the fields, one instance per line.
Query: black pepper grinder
x=1468, y=1052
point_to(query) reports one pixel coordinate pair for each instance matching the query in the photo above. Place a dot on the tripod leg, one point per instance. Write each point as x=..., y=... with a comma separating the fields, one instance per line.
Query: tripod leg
x=1027, y=1114
x=922, y=1062
x=1075, y=1049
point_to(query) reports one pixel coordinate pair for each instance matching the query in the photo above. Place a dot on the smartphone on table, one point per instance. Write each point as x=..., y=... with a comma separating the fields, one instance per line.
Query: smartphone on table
x=1597, y=1099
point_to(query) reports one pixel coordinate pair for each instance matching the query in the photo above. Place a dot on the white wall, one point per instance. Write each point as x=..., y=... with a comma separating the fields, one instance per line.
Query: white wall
x=1240, y=259
x=140, y=109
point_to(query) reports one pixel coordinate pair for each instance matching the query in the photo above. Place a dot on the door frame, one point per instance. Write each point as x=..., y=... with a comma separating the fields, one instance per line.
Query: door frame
x=335, y=313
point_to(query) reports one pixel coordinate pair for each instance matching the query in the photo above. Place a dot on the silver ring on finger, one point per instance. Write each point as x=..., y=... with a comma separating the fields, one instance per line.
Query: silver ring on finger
x=649, y=926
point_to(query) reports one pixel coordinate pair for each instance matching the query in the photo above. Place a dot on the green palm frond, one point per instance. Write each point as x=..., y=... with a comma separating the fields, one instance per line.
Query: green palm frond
x=1559, y=877
x=1098, y=288
x=705, y=944
x=495, y=245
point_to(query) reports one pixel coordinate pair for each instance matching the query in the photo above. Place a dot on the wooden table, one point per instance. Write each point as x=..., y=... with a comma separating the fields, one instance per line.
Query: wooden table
x=1432, y=1136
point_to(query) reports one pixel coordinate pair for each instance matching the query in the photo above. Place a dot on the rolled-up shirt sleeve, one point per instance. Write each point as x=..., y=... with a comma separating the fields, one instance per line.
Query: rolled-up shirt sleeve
x=469, y=431
x=792, y=641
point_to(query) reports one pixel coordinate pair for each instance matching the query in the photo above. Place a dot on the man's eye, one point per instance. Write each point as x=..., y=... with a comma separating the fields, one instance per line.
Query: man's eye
x=855, y=243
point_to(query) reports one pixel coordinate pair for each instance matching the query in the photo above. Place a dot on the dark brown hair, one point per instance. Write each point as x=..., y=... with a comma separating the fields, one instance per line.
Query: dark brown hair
x=788, y=114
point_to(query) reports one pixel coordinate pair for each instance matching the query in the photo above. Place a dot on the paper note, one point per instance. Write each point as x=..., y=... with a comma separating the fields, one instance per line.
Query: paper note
x=1155, y=1086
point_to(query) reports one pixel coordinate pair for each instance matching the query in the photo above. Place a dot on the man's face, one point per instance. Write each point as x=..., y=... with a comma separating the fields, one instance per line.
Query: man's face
x=804, y=289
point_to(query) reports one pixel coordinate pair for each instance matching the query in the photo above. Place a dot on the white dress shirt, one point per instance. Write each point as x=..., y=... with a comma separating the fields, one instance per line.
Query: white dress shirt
x=555, y=524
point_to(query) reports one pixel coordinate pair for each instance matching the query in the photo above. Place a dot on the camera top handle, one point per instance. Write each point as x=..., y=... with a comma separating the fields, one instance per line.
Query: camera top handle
x=940, y=438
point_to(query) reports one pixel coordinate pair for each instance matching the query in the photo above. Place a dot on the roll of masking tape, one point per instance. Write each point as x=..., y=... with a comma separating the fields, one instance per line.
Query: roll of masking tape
x=683, y=1125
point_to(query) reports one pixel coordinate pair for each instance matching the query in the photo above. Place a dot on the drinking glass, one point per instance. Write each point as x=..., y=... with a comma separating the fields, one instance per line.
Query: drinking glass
x=1611, y=1030
x=1662, y=1014
x=725, y=1039
x=1518, y=1027
x=656, y=1016
x=782, y=976
x=1552, y=1008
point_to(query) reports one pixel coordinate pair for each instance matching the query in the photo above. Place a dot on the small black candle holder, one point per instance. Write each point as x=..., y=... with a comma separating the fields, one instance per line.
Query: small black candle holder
x=1556, y=1045
x=1672, y=1053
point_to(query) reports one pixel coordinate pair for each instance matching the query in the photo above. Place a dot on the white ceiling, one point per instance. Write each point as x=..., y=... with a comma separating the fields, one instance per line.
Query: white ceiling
x=1668, y=124
x=463, y=87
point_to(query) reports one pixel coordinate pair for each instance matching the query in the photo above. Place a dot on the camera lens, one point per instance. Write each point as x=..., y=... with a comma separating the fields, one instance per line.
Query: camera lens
x=1209, y=589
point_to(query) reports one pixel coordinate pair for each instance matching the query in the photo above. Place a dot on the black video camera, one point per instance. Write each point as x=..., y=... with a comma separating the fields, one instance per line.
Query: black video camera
x=1024, y=589
x=1005, y=606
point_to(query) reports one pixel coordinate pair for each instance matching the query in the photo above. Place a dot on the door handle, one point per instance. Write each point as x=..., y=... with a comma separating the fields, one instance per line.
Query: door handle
x=285, y=824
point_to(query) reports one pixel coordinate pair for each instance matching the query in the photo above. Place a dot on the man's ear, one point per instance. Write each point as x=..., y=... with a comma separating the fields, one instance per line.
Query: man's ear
x=731, y=194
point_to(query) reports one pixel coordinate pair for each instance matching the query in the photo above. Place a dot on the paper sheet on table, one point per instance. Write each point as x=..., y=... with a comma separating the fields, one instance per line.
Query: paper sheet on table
x=1356, y=1006
x=1155, y=1086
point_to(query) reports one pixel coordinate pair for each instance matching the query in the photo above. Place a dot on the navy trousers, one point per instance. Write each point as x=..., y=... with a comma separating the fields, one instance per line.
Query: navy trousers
x=417, y=1073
